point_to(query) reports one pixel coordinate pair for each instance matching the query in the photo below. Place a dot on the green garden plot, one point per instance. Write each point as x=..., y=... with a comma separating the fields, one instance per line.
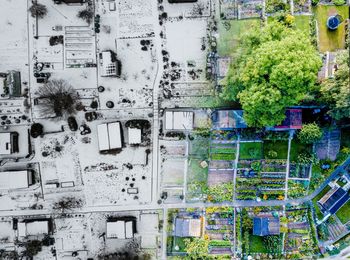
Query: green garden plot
x=330, y=40
x=230, y=32
x=344, y=213
x=251, y=150
x=302, y=22
x=275, y=149
x=298, y=148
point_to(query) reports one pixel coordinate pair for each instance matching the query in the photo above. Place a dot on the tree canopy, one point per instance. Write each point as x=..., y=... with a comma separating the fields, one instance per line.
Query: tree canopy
x=276, y=67
x=310, y=133
x=336, y=91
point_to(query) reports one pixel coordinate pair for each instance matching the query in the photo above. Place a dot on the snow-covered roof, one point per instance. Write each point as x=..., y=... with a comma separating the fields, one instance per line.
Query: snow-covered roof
x=14, y=180
x=134, y=135
x=178, y=120
x=5, y=143
x=108, y=66
x=37, y=228
x=120, y=229
x=33, y=228
x=109, y=136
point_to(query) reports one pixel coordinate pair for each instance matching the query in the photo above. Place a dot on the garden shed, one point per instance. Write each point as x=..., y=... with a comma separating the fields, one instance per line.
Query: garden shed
x=333, y=200
x=12, y=180
x=33, y=228
x=109, y=136
x=121, y=229
x=265, y=226
x=134, y=135
x=228, y=119
x=110, y=66
x=187, y=227
x=293, y=120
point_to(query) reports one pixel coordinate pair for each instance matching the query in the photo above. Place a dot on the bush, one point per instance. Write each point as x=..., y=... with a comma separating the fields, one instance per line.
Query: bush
x=315, y=2
x=38, y=10
x=86, y=14
x=36, y=130
x=310, y=133
x=272, y=154
x=338, y=2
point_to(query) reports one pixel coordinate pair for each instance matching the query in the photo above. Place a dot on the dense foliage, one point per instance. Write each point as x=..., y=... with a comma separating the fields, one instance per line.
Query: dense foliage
x=336, y=91
x=276, y=68
x=310, y=133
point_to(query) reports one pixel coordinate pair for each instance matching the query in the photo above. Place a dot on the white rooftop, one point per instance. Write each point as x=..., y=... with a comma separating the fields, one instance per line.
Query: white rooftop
x=120, y=229
x=178, y=120
x=134, y=135
x=33, y=228
x=108, y=67
x=5, y=143
x=14, y=180
x=109, y=136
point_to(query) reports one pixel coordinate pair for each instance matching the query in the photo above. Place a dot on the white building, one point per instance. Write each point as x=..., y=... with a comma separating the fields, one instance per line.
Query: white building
x=5, y=143
x=178, y=120
x=12, y=180
x=120, y=229
x=134, y=135
x=35, y=228
x=109, y=64
x=109, y=136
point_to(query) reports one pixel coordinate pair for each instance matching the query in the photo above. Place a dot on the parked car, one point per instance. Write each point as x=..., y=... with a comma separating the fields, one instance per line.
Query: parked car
x=72, y=123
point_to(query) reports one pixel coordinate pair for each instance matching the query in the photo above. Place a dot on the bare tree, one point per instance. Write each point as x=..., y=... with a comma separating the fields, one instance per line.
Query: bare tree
x=86, y=14
x=198, y=9
x=38, y=10
x=67, y=203
x=57, y=98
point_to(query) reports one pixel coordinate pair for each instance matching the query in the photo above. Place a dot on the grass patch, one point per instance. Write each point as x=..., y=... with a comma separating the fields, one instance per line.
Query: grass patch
x=250, y=150
x=196, y=179
x=330, y=40
x=180, y=242
x=199, y=147
x=345, y=137
x=280, y=147
x=257, y=245
x=317, y=198
x=230, y=32
x=343, y=213
x=223, y=156
x=302, y=22
x=298, y=148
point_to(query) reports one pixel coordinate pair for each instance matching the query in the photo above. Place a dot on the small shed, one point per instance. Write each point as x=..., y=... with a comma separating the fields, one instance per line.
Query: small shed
x=109, y=136
x=121, y=229
x=265, y=226
x=33, y=228
x=110, y=66
x=187, y=227
x=12, y=180
x=134, y=135
x=179, y=120
x=5, y=143
x=228, y=119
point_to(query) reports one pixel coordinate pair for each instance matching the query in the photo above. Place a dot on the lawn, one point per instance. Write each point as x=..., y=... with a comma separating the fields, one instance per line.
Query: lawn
x=345, y=137
x=280, y=147
x=330, y=40
x=251, y=150
x=179, y=241
x=230, y=32
x=317, y=198
x=257, y=245
x=196, y=179
x=199, y=147
x=344, y=213
x=297, y=148
x=302, y=22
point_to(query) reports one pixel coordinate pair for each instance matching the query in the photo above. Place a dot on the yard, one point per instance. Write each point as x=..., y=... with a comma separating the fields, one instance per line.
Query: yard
x=345, y=137
x=251, y=150
x=257, y=245
x=343, y=213
x=302, y=22
x=317, y=198
x=230, y=32
x=275, y=149
x=298, y=148
x=330, y=40
x=196, y=179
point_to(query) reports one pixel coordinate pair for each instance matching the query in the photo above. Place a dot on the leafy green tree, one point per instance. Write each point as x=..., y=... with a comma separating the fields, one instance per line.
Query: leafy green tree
x=197, y=248
x=336, y=91
x=276, y=68
x=310, y=133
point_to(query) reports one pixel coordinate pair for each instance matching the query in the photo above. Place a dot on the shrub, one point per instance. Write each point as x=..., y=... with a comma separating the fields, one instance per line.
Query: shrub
x=338, y=2
x=36, y=130
x=272, y=154
x=310, y=133
x=315, y=2
x=38, y=10
x=86, y=14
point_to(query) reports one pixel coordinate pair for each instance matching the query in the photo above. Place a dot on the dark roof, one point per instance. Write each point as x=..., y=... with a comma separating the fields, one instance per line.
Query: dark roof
x=228, y=119
x=73, y=1
x=263, y=226
x=182, y=228
x=293, y=119
x=335, y=201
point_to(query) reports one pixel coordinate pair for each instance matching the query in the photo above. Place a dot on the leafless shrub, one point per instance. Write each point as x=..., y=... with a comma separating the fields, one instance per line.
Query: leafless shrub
x=86, y=14
x=38, y=10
